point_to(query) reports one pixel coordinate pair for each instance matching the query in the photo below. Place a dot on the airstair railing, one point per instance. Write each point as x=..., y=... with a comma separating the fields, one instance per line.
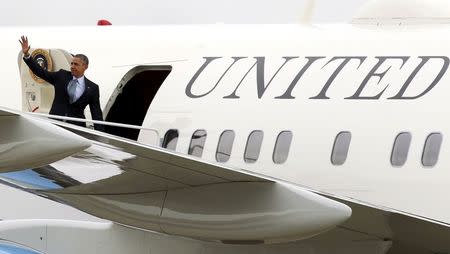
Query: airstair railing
x=146, y=131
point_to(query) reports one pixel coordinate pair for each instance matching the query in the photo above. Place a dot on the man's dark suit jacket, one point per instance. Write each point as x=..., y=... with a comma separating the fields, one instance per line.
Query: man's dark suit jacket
x=61, y=105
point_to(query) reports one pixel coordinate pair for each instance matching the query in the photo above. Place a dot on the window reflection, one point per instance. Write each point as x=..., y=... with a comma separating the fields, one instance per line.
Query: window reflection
x=197, y=143
x=225, y=146
x=400, y=149
x=282, y=147
x=253, y=146
x=170, y=139
x=340, y=148
x=432, y=149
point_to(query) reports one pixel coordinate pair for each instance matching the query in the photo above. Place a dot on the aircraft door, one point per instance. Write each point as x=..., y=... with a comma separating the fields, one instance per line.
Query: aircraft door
x=38, y=94
x=131, y=100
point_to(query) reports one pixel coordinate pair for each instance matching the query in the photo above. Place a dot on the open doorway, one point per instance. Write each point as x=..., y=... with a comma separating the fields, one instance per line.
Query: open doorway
x=132, y=98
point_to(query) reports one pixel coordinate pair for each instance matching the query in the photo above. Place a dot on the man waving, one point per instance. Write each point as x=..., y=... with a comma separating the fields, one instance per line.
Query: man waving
x=73, y=91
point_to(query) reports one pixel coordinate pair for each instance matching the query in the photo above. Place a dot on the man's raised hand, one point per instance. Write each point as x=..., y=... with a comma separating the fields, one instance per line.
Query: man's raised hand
x=25, y=46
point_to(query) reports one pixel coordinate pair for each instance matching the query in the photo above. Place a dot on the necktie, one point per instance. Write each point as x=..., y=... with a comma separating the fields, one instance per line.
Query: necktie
x=72, y=87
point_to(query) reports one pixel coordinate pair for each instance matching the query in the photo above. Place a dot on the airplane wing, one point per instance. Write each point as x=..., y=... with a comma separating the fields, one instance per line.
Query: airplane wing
x=155, y=189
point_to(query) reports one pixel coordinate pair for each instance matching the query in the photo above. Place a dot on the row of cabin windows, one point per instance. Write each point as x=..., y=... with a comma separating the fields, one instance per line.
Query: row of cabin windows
x=399, y=154
x=225, y=145
x=339, y=153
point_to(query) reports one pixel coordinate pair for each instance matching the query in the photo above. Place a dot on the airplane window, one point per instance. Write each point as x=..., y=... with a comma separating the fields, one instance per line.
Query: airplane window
x=400, y=149
x=197, y=143
x=431, y=149
x=253, y=146
x=340, y=148
x=170, y=139
x=225, y=145
x=282, y=146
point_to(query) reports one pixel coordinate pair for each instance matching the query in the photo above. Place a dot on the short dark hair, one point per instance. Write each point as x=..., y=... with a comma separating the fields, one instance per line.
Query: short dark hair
x=83, y=58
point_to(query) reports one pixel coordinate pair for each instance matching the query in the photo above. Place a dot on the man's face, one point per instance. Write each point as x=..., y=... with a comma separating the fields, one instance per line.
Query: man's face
x=77, y=67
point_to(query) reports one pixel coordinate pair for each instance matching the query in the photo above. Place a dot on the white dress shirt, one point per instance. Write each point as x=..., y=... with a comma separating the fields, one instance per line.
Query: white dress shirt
x=80, y=88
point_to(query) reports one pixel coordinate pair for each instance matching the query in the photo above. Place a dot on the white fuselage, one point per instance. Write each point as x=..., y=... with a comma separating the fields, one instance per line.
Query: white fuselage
x=319, y=106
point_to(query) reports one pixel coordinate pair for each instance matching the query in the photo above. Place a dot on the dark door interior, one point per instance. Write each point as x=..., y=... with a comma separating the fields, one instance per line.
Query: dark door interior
x=130, y=107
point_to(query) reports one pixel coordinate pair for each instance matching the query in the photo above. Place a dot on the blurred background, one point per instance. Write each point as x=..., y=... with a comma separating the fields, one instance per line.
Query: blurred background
x=147, y=12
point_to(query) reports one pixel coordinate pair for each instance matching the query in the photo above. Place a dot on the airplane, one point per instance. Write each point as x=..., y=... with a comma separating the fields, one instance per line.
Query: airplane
x=240, y=138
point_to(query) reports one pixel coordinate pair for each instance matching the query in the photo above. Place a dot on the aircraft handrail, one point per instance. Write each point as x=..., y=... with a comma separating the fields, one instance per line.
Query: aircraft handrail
x=129, y=126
